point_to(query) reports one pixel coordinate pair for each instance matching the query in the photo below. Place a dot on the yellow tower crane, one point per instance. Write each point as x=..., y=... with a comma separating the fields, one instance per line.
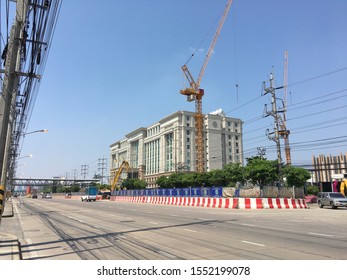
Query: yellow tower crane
x=195, y=93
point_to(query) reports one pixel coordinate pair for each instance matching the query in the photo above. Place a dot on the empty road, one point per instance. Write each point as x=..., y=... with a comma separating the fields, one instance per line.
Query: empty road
x=66, y=229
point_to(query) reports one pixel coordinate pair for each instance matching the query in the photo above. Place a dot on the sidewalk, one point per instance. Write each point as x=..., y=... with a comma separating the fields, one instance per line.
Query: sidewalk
x=9, y=244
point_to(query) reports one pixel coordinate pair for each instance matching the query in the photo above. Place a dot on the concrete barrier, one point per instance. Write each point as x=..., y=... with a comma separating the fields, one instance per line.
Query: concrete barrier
x=284, y=203
x=250, y=203
x=212, y=202
x=232, y=203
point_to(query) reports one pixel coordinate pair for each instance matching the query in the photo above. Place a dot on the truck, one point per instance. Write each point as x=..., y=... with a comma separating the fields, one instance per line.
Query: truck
x=90, y=193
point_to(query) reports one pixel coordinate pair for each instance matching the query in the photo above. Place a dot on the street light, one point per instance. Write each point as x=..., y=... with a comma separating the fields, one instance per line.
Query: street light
x=30, y=156
x=35, y=131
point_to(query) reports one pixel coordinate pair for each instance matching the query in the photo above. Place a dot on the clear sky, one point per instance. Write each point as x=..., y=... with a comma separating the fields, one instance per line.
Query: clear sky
x=115, y=66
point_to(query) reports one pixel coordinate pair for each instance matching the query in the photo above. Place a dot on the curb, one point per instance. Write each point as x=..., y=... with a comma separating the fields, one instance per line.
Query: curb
x=9, y=247
x=8, y=210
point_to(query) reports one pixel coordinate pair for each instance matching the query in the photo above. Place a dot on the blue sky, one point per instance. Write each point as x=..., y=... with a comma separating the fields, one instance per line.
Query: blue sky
x=115, y=66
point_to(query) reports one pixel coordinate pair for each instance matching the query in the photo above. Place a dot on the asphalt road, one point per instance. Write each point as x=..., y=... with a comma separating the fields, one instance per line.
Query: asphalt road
x=103, y=230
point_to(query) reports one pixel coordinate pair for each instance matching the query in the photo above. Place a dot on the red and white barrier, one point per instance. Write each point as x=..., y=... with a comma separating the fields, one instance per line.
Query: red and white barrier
x=232, y=203
x=250, y=203
x=284, y=203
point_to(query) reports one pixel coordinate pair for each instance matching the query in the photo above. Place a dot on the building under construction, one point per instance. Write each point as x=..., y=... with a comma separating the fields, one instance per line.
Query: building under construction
x=168, y=146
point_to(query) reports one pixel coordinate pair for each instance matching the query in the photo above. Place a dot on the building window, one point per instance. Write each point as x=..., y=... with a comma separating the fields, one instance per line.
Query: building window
x=152, y=152
x=134, y=154
x=169, y=152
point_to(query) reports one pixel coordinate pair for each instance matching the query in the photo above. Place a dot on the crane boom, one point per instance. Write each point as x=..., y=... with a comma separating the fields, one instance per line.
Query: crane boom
x=194, y=92
x=213, y=43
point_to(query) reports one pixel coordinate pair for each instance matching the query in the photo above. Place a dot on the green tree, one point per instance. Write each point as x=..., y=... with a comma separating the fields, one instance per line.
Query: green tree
x=134, y=184
x=163, y=182
x=176, y=180
x=312, y=190
x=218, y=177
x=234, y=172
x=295, y=176
x=261, y=171
x=188, y=179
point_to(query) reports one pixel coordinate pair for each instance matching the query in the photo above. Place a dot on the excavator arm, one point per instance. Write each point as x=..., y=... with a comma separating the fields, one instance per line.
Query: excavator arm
x=119, y=172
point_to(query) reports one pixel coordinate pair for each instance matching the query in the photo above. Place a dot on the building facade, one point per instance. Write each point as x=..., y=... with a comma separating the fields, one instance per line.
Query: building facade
x=168, y=146
x=327, y=168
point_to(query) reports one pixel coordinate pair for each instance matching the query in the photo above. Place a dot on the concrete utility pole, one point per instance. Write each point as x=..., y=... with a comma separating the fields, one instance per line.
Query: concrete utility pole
x=8, y=95
x=274, y=136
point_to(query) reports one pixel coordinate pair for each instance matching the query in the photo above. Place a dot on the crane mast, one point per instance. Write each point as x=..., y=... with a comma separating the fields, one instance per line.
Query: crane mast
x=195, y=93
x=284, y=131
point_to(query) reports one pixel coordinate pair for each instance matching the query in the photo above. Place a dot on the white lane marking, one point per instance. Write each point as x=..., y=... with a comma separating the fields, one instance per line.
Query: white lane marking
x=32, y=252
x=173, y=215
x=321, y=234
x=81, y=221
x=167, y=254
x=247, y=225
x=253, y=243
x=190, y=230
x=153, y=223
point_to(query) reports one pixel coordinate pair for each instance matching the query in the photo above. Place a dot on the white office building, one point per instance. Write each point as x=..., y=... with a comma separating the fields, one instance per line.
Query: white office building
x=168, y=146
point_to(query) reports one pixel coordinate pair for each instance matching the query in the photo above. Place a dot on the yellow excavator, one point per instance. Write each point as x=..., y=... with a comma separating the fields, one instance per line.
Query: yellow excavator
x=119, y=172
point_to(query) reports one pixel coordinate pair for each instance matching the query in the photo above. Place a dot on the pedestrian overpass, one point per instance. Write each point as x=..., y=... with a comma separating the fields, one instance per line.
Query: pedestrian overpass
x=55, y=182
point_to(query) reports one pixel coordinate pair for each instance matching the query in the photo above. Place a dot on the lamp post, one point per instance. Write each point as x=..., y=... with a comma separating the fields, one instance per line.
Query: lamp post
x=30, y=156
x=16, y=152
x=35, y=131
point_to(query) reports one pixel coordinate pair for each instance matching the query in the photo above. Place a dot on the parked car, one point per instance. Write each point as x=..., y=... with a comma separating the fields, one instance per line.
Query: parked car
x=34, y=196
x=332, y=199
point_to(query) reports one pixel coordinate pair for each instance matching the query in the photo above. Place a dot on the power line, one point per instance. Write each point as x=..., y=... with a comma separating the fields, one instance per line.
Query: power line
x=317, y=77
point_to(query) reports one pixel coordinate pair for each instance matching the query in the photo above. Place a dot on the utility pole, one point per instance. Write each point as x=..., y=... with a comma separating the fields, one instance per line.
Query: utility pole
x=261, y=152
x=102, y=166
x=13, y=65
x=274, y=136
x=84, y=170
x=74, y=173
